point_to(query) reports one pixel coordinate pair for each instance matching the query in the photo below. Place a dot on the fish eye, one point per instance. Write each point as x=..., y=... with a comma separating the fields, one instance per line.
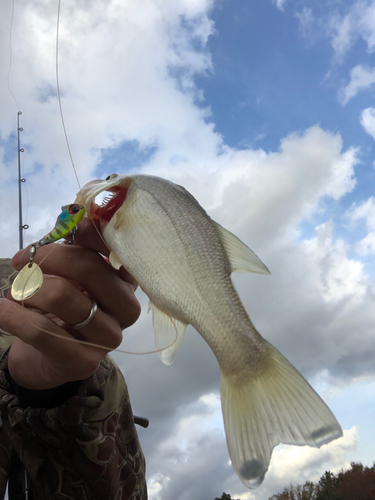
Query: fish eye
x=110, y=177
x=74, y=209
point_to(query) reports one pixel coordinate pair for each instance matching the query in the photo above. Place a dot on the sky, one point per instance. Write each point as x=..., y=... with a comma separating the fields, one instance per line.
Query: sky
x=264, y=110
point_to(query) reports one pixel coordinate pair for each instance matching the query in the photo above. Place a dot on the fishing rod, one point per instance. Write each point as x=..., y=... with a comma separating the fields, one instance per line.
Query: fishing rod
x=25, y=479
x=21, y=180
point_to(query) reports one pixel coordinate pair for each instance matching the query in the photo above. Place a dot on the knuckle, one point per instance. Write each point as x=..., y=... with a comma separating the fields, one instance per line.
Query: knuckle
x=114, y=336
x=117, y=339
x=60, y=292
x=40, y=326
x=16, y=319
x=84, y=260
x=132, y=312
x=7, y=313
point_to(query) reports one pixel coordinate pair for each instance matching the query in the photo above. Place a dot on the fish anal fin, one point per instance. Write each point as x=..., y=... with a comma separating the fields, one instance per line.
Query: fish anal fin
x=276, y=406
x=166, y=328
x=241, y=258
x=114, y=260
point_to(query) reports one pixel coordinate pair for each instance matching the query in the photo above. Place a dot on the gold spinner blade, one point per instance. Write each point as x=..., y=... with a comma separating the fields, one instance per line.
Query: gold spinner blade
x=28, y=282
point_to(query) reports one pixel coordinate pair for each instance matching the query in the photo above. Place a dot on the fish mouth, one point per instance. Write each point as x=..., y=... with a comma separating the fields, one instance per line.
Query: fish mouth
x=117, y=192
x=110, y=204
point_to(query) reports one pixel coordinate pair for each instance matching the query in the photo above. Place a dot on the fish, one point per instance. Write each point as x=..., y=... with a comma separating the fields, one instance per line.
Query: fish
x=183, y=260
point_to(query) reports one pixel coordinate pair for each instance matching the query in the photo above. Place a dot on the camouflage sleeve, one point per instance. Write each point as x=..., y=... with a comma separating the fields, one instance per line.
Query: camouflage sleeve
x=87, y=447
x=7, y=275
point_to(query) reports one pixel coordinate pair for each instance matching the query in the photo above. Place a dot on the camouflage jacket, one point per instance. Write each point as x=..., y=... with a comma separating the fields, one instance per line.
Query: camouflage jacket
x=85, y=449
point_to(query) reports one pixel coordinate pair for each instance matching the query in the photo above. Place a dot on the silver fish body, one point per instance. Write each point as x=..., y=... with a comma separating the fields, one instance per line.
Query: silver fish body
x=182, y=260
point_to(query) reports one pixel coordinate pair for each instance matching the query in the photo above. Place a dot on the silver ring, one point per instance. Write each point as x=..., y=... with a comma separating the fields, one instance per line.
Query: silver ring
x=94, y=308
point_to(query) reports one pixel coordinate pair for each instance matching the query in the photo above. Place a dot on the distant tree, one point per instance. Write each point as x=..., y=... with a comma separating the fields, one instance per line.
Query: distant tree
x=286, y=494
x=326, y=486
x=357, y=483
x=307, y=491
x=225, y=496
x=297, y=492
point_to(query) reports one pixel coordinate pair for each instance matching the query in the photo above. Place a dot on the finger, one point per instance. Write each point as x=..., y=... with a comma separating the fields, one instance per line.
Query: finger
x=125, y=275
x=61, y=298
x=89, y=235
x=55, y=357
x=113, y=295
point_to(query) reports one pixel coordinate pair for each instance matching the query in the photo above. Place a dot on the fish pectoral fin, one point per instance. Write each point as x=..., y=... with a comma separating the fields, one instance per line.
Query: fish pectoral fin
x=276, y=406
x=115, y=261
x=241, y=258
x=168, y=331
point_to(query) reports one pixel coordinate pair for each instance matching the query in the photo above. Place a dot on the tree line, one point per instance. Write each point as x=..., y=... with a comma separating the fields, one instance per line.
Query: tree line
x=356, y=483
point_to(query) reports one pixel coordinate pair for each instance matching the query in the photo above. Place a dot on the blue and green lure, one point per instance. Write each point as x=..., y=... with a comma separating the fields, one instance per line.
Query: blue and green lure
x=30, y=279
x=66, y=223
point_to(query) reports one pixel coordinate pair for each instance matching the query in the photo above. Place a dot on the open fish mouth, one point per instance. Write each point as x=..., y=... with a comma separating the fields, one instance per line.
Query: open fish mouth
x=116, y=187
x=110, y=204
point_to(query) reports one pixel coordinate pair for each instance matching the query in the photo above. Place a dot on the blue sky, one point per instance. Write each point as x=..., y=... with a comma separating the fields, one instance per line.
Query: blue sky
x=272, y=73
x=264, y=110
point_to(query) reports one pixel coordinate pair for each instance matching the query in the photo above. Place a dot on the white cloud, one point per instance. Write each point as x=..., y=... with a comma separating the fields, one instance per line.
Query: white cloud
x=361, y=78
x=184, y=454
x=341, y=276
x=364, y=210
x=343, y=24
x=357, y=22
x=279, y=4
x=368, y=121
x=367, y=23
x=297, y=465
x=306, y=21
x=343, y=34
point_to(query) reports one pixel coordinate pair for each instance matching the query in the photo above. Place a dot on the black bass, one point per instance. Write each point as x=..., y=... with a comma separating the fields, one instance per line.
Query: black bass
x=182, y=260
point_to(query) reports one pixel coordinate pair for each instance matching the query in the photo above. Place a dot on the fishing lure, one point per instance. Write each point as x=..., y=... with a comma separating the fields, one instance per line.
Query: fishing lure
x=30, y=278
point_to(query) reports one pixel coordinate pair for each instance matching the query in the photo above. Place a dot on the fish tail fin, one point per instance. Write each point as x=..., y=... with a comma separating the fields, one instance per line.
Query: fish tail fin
x=276, y=406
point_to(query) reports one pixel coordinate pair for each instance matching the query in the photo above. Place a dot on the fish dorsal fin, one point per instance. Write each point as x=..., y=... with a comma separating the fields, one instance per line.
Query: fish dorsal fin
x=241, y=258
x=114, y=260
x=165, y=328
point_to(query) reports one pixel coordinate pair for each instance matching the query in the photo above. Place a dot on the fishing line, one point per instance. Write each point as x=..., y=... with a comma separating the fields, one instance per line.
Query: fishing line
x=103, y=347
x=62, y=116
x=106, y=348
x=58, y=93
x=11, y=57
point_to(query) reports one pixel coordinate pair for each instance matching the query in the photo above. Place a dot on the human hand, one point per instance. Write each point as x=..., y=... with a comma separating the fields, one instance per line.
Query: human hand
x=73, y=276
